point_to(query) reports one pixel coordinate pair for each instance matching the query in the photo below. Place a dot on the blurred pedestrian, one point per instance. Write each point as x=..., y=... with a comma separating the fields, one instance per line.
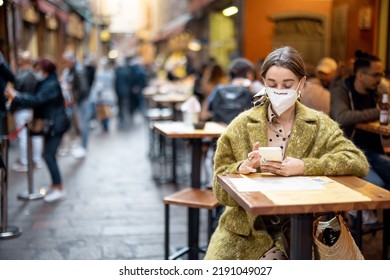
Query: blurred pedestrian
x=6, y=76
x=75, y=76
x=139, y=81
x=48, y=105
x=90, y=69
x=103, y=92
x=123, y=85
x=25, y=83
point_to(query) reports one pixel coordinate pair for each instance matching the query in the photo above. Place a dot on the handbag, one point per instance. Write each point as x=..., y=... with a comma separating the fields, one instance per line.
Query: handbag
x=103, y=111
x=40, y=126
x=333, y=240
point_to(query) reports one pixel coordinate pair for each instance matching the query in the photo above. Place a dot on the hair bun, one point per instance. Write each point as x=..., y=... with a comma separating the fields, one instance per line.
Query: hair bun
x=360, y=54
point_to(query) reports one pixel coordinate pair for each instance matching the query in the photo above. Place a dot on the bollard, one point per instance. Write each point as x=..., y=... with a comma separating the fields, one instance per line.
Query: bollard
x=30, y=195
x=6, y=231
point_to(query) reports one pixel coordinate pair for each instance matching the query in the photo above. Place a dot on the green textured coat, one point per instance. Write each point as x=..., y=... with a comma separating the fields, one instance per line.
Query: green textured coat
x=315, y=138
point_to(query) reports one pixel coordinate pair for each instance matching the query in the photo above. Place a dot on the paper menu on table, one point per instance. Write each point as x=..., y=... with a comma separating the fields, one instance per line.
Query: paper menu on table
x=274, y=183
x=299, y=190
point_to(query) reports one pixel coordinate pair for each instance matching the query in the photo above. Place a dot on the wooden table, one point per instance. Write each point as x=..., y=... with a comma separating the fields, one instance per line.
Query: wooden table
x=257, y=203
x=374, y=127
x=172, y=99
x=178, y=130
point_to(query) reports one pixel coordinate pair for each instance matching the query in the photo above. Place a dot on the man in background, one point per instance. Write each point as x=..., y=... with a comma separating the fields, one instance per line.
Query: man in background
x=355, y=101
x=75, y=80
x=316, y=94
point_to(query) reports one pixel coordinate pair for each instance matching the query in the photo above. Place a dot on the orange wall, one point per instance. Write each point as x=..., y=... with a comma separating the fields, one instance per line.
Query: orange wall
x=258, y=29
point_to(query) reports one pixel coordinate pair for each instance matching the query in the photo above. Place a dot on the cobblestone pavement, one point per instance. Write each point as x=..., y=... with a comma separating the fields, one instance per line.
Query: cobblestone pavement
x=113, y=209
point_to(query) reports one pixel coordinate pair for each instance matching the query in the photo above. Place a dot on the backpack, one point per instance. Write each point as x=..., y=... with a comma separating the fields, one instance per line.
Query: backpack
x=229, y=101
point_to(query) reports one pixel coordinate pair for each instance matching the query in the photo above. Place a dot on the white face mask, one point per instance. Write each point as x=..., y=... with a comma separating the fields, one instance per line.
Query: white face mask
x=282, y=99
x=39, y=76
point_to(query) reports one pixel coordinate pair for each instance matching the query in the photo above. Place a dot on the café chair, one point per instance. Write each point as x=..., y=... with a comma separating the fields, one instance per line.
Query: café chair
x=190, y=198
x=358, y=231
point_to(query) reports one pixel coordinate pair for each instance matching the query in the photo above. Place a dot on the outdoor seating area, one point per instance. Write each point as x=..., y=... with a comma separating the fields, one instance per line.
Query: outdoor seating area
x=213, y=130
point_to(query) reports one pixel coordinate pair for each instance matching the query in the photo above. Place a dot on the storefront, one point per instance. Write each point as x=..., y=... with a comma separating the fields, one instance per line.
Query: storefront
x=28, y=34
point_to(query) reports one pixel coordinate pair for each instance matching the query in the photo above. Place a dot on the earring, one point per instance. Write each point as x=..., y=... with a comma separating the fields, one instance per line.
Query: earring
x=299, y=93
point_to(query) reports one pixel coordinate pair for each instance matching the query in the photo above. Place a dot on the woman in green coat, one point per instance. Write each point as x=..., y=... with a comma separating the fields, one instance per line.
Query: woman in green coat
x=312, y=144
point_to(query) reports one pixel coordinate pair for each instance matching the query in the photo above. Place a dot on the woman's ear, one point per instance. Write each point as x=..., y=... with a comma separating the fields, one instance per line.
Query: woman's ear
x=301, y=84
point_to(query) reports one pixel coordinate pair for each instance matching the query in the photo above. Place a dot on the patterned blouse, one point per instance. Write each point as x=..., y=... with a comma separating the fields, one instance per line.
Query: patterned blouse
x=277, y=136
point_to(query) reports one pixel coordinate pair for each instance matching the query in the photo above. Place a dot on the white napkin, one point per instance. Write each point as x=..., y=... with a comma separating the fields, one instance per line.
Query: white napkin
x=191, y=105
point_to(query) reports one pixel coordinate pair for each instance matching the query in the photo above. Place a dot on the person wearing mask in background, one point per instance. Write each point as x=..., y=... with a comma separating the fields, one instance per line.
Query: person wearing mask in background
x=311, y=143
x=75, y=77
x=25, y=83
x=47, y=102
x=355, y=101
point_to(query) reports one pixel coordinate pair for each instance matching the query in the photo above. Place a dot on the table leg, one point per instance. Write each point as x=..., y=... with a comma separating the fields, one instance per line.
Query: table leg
x=301, y=237
x=193, y=213
x=174, y=160
x=196, y=162
x=193, y=233
x=359, y=229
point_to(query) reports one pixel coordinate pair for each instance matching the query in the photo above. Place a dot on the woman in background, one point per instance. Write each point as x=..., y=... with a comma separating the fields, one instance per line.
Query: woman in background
x=103, y=92
x=213, y=75
x=47, y=102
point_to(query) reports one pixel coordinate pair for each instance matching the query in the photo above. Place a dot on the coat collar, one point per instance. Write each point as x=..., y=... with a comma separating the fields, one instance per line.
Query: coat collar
x=303, y=132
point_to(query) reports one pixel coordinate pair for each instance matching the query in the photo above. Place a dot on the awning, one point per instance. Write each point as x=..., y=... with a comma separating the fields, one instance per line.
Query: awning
x=174, y=27
x=47, y=7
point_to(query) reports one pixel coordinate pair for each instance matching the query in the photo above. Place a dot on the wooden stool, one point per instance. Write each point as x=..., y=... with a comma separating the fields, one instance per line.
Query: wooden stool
x=193, y=199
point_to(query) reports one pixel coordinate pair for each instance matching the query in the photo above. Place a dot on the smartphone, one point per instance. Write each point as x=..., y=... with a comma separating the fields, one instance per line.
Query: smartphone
x=270, y=154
